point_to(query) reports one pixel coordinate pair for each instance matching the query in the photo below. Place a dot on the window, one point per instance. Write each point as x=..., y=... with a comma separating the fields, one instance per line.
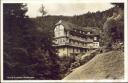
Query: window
x=83, y=44
x=57, y=41
x=63, y=40
x=73, y=50
x=69, y=41
x=73, y=42
x=95, y=38
x=77, y=50
x=88, y=32
x=96, y=44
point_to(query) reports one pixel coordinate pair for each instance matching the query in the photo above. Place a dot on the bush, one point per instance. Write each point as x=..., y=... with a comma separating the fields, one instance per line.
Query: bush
x=65, y=63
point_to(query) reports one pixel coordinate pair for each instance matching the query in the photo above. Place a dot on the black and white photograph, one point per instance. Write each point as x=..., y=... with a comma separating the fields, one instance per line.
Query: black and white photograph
x=67, y=41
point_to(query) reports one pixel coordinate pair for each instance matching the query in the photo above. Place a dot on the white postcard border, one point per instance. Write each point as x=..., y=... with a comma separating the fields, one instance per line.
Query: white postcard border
x=70, y=1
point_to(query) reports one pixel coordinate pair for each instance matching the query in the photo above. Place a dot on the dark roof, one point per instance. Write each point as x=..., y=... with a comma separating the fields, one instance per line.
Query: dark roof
x=71, y=27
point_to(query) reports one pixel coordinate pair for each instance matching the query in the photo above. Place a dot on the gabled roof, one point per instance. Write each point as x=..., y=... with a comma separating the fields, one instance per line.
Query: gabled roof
x=71, y=27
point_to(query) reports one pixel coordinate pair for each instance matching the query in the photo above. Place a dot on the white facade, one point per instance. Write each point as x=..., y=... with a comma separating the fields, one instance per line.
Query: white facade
x=59, y=31
x=67, y=43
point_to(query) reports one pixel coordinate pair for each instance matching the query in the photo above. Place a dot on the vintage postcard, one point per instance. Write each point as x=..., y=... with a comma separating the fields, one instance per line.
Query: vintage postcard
x=64, y=41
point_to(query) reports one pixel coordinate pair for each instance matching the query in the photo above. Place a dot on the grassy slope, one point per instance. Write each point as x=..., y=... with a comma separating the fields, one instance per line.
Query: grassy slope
x=109, y=65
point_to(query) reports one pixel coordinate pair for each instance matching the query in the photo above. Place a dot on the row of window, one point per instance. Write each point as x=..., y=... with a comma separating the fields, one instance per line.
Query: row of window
x=83, y=38
x=61, y=40
x=77, y=43
x=74, y=49
x=96, y=44
x=82, y=32
x=72, y=42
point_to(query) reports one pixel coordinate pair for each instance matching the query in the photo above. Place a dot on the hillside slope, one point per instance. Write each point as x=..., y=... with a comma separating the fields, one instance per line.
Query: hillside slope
x=109, y=65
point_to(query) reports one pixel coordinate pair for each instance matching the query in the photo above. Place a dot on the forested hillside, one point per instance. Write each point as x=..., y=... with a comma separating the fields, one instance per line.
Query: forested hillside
x=28, y=50
x=89, y=19
x=96, y=19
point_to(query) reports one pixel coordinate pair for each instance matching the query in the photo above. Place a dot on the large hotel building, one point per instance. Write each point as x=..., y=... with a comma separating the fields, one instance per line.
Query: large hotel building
x=72, y=39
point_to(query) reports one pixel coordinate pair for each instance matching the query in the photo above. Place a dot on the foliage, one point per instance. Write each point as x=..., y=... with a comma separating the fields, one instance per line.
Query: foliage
x=69, y=63
x=65, y=63
x=28, y=50
x=42, y=10
x=121, y=5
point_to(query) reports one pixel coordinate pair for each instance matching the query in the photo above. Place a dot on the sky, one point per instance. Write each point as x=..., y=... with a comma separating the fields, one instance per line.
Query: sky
x=67, y=9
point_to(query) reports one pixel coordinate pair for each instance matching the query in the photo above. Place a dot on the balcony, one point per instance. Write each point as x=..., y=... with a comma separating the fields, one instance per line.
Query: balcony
x=73, y=45
x=91, y=45
x=80, y=39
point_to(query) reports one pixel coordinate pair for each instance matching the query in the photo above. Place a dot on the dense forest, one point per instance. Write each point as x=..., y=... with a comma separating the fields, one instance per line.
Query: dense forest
x=89, y=19
x=28, y=50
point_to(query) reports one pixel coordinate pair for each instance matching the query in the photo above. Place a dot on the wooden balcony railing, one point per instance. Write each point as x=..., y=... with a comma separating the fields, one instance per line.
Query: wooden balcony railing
x=80, y=39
